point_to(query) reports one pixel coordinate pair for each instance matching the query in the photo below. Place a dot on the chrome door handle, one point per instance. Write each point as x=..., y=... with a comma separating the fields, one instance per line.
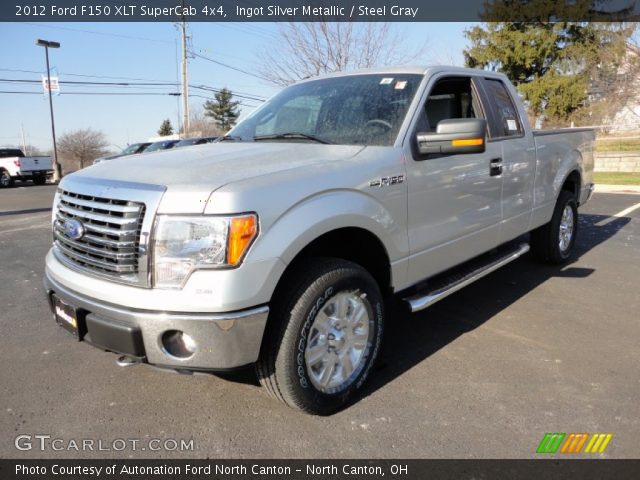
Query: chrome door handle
x=495, y=167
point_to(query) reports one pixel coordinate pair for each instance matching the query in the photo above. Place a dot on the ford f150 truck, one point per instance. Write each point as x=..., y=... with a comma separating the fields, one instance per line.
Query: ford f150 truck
x=14, y=165
x=278, y=245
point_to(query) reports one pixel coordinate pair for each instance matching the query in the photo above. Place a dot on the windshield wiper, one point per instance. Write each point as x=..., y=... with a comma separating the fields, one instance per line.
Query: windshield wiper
x=229, y=137
x=292, y=136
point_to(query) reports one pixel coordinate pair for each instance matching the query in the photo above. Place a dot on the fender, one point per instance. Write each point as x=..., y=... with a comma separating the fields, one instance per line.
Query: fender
x=559, y=161
x=324, y=212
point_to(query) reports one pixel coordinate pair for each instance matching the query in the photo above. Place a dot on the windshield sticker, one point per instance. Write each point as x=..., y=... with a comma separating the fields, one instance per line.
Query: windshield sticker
x=511, y=124
x=400, y=85
x=386, y=81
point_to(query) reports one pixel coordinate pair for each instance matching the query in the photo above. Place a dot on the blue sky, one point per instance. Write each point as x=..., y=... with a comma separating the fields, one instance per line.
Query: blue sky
x=103, y=51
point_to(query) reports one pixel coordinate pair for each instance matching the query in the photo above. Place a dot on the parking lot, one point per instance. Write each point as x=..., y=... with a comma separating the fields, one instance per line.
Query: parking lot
x=485, y=373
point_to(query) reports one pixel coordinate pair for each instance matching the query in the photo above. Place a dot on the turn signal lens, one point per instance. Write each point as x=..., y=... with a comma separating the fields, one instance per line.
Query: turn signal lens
x=242, y=231
x=469, y=142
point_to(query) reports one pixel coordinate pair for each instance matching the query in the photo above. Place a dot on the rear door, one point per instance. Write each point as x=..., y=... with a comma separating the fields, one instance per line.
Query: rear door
x=454, y=202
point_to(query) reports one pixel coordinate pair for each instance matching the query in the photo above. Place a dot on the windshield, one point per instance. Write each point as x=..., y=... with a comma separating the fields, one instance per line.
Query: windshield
x=355, y=109
x=160, y=146
x=187, y=142
x=131, y=149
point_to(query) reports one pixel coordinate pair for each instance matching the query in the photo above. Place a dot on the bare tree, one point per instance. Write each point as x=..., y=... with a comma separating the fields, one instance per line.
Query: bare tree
x=311, y=49
x=201, y=125
x=79, y=148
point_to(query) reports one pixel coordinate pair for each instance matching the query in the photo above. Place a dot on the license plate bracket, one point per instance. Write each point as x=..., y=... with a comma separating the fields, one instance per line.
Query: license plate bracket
x=66, y=316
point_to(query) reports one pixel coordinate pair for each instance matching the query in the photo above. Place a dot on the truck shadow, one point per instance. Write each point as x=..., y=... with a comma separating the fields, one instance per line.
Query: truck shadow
x=411, y=338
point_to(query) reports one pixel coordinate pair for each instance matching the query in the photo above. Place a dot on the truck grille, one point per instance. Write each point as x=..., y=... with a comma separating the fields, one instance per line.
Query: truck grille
x=109, y=245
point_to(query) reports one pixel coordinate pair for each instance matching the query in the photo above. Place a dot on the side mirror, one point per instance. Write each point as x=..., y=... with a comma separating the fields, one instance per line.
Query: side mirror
x=455, y=135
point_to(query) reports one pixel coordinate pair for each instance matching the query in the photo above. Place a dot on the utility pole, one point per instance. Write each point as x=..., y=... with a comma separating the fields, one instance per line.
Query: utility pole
x=185, y=76
x=24, y=144
x=57, y=174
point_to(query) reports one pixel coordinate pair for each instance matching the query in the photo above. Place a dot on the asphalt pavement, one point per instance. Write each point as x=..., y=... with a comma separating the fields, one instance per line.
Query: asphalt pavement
x=485, y=373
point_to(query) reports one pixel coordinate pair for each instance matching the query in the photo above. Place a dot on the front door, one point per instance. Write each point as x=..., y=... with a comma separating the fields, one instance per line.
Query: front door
x=454, y=203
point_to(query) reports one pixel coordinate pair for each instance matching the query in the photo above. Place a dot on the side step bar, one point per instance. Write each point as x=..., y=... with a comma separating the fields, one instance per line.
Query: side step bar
x=422, y=300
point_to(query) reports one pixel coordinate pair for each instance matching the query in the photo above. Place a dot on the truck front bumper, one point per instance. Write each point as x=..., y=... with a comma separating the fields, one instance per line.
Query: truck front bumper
x=215, y=341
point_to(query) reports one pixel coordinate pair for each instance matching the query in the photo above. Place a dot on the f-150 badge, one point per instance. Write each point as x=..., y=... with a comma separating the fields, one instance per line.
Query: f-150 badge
x=386, y=181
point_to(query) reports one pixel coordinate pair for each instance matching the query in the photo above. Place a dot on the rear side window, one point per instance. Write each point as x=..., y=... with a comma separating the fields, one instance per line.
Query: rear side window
x=10, y=152
x=506, y=113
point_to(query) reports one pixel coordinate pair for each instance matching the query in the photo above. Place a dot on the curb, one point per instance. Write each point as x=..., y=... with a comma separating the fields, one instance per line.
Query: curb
x=626, y=189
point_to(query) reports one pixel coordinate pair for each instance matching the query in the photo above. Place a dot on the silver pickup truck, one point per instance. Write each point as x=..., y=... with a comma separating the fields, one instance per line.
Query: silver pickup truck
x=278, y=245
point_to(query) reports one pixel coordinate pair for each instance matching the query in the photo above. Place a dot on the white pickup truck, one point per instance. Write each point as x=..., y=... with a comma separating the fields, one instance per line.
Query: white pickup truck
x=14, y=165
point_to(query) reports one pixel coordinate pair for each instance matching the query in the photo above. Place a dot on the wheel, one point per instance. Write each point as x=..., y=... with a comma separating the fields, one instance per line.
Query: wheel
x=5, y=179
x=323, y=335
x=553, y=243
x=39, y=180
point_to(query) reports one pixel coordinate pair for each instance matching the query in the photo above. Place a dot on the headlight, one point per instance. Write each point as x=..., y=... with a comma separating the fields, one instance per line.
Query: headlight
x=184, y=244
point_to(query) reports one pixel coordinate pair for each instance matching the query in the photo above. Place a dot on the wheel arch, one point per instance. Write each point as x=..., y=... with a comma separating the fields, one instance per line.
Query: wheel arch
x=354, y=244
x=572, y=183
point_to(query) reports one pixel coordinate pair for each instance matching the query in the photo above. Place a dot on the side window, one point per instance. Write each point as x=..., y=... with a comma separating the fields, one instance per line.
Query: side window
x=451, y=98
x=507, y=115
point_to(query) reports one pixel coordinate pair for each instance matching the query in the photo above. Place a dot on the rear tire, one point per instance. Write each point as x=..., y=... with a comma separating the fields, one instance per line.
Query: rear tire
x=553, y=242
x=39, y=180
x=5, y=179
x=323, y=335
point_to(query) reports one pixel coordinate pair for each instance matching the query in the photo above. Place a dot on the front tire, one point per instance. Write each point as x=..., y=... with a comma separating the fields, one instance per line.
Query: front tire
x=553, y=243
x=323, y=335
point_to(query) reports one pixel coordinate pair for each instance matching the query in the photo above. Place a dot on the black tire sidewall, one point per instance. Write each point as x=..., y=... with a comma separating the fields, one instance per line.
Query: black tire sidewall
x=302, y=316
x=4, y=174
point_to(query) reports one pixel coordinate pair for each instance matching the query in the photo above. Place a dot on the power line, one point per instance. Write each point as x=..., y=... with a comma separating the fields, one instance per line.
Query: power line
x=152, y=82
x=149, y=85
x=241, y=103
x=94, y=93
x=118, y=93
x=228, y=66
x=94, y=32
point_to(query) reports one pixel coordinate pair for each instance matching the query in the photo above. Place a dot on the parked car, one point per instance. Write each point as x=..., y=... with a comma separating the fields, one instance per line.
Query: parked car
x=279, y=244
x=14, y=165
x=161, y=145
x=132, y=149
x=195, y=141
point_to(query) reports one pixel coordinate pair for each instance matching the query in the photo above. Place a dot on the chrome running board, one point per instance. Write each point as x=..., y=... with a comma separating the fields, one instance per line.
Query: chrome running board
x=455, y=282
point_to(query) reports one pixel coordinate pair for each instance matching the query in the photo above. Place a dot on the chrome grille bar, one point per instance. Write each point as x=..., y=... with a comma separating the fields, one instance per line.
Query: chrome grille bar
x=109, y=244
x=89, y=215
x=107, y=207
x=99, y=228
x=85, y=259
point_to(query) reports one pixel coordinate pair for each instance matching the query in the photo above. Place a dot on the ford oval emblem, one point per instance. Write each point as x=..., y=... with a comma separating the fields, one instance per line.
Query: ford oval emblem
x=73, y=229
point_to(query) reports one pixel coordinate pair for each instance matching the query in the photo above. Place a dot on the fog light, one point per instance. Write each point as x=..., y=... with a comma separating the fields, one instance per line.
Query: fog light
x=178, y=344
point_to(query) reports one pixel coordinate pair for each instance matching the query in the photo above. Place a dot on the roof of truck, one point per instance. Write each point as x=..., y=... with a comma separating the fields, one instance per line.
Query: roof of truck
x=410, y=69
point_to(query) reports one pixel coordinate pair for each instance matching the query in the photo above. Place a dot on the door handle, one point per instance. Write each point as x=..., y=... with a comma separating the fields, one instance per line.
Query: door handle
x=495, y=167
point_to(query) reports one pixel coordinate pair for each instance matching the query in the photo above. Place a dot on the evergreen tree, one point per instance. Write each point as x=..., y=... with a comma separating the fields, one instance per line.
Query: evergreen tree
x=553, y=64
x=165, y=128
x=223, y=110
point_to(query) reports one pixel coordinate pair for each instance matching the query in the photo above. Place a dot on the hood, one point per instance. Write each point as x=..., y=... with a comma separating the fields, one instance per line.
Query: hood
x=199, y=170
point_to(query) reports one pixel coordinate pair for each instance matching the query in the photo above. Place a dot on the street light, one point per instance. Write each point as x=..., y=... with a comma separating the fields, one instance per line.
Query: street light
x=55, y=165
